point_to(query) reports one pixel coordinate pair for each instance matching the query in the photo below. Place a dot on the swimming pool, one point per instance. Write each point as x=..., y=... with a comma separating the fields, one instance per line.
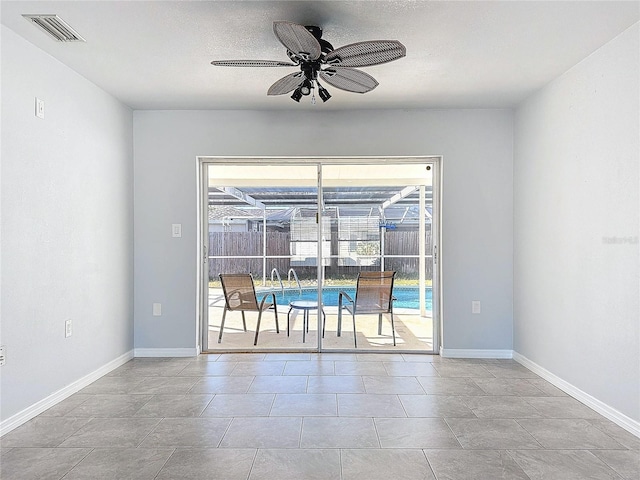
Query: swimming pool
x=407, y=297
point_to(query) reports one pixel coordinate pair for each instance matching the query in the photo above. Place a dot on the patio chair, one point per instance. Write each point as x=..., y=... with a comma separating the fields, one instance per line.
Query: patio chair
x=240, y=295
x=374, y=294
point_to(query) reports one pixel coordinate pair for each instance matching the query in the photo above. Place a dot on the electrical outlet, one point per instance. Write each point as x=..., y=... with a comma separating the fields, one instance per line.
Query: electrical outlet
x=67, y=328
x=39, y=108
x=475, y=306
x=157, y=309
x=3, y=355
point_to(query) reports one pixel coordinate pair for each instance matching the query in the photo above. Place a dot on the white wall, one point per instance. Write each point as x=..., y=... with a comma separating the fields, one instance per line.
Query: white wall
x=477, y=220
x=576, y=191
x=67, y=226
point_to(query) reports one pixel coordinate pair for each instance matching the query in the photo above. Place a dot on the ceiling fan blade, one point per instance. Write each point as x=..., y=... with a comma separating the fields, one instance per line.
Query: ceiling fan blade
x=286, y=84
x=349, y=79
x=365, y=54
x=252, y=63
x=298, y=40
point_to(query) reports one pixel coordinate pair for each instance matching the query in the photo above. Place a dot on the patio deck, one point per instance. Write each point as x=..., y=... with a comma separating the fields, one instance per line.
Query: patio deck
x=413, y=332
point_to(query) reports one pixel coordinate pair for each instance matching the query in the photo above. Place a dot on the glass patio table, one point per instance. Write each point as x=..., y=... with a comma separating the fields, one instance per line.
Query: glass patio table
x=306, y=306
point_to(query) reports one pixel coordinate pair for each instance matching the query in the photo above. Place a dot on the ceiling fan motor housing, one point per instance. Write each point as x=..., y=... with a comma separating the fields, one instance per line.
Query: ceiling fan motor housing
x=325, y=46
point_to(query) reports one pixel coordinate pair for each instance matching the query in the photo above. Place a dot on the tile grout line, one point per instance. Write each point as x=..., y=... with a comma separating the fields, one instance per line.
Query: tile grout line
x=454, y=434
x=301, y=432
x=429, y=463
x=165, y=462
x=375, y=427
x=226, y=430
x=150, y=432
x=253, y=462
x=91, y=449
x=529, y=433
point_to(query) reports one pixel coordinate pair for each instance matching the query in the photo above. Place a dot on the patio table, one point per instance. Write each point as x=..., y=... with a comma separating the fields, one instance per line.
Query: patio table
x=305, y=306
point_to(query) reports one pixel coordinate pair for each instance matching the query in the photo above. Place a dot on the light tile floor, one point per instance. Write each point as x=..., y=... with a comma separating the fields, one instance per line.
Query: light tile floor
x=320, y=416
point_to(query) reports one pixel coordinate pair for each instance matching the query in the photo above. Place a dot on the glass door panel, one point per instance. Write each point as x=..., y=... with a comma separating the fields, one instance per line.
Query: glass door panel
x=380, y=220
x=262, y=221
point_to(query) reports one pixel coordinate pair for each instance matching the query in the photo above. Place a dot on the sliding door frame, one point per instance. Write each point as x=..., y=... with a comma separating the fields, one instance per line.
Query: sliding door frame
x=202, y=164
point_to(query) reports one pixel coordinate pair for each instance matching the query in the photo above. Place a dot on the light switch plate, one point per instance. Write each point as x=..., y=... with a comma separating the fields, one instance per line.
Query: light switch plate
x=475, y=306
x=157, y=309
x=176, y=230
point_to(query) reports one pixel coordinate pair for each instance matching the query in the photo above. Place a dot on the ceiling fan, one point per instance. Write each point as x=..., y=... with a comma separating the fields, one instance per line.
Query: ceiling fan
x=317, y=59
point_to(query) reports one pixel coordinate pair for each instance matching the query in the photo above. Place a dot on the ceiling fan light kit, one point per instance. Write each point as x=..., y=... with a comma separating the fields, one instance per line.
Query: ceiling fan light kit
x=316, y=58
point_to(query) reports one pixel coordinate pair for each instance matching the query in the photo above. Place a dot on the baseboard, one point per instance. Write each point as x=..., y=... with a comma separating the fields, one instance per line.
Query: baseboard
x=474, y=353
x=602, y=408
x=56, y=397
x=165, y=352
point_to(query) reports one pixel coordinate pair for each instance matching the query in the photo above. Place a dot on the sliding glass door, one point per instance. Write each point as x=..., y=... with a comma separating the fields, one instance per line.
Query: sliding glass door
x=304, y=233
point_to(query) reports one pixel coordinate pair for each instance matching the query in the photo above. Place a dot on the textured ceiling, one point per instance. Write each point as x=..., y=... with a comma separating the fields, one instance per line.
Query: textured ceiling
x=157, y=54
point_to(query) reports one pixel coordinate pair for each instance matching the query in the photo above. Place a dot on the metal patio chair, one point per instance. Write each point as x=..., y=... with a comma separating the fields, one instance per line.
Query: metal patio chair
x=374, y=294
x=240, y=295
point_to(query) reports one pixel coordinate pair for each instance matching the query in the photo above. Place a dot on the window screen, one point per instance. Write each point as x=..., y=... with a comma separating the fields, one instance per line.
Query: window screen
x=358, y=241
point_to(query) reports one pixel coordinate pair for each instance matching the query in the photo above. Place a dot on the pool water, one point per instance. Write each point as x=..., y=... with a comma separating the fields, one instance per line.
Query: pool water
x=407, y=297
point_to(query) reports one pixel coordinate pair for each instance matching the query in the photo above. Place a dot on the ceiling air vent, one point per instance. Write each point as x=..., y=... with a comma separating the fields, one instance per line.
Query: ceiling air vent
x=56, y=27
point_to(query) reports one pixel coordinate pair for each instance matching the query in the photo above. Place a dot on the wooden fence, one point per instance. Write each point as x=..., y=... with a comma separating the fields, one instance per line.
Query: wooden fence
x=240, y=244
